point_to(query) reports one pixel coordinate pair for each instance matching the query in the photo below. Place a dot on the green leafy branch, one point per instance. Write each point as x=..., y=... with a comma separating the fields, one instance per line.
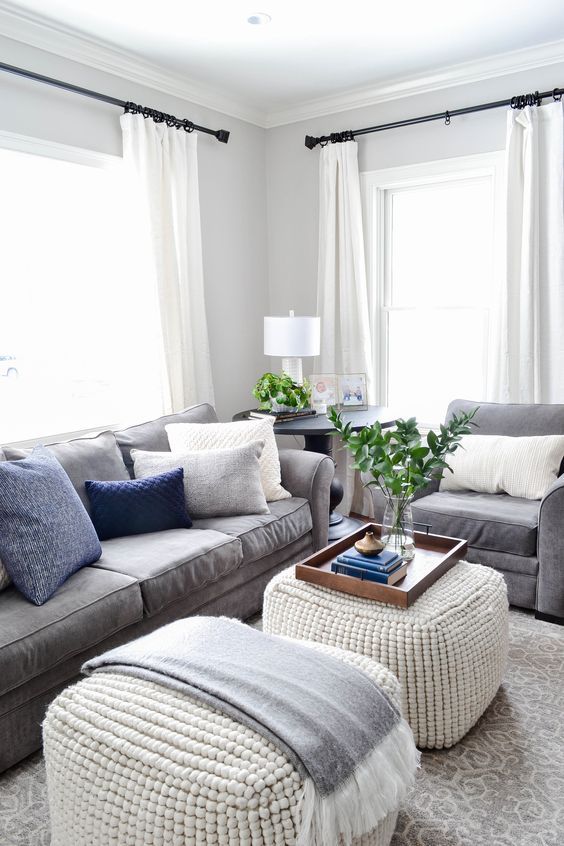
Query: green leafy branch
x=398, y=460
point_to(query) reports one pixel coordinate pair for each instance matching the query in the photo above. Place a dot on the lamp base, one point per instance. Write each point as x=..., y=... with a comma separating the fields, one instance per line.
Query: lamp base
x=293, y=367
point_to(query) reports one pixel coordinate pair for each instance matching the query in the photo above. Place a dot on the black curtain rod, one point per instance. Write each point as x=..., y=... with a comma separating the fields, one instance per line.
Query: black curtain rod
x=518, y=102
x=159, y=117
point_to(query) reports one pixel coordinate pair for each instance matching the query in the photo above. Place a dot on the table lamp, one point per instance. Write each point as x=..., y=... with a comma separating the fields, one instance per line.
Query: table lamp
x=291, y=338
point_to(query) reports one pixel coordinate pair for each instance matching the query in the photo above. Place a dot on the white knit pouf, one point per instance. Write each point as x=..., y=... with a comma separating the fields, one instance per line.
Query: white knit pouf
x=132, y=763
x=448, y=649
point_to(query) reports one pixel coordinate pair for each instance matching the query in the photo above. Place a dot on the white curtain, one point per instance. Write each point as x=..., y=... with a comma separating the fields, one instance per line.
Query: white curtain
x=165, y=165
x=529, y=365
x=342, y=291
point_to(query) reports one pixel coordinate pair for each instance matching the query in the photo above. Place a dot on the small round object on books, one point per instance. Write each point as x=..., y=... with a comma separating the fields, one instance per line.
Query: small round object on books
x=369, y=544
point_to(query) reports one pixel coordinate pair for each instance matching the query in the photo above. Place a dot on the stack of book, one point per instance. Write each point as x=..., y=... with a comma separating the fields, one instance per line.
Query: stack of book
x=281, y=416
x=386, y=567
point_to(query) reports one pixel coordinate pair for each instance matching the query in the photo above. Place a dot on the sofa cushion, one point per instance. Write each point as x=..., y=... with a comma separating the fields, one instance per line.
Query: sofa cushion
x=171, y=564
x=96, y=458
x=86, y=610
x=263, y=534
x=487, y=521
x=500, y=418
x=152, y=435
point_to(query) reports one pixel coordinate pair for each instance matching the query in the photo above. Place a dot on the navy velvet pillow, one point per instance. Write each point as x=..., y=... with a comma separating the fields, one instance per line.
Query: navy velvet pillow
x=45, y=532
x=135, y=507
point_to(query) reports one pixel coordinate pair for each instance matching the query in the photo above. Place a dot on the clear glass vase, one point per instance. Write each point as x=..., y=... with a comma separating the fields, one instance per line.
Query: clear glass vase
x=397, y=527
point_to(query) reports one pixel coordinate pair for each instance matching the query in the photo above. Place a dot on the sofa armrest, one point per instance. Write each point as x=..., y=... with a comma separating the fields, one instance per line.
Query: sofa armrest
x=550, y=550
x=309, y=475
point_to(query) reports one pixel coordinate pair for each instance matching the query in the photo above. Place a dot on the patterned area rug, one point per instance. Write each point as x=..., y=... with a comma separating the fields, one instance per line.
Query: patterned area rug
x=502, y=785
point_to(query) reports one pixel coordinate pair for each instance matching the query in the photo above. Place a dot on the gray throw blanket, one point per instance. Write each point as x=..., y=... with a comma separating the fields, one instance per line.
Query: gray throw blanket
x=328, y=717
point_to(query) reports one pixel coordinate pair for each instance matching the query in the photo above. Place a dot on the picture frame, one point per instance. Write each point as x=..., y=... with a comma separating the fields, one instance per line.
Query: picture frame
x=324, y=391
x=352, y=391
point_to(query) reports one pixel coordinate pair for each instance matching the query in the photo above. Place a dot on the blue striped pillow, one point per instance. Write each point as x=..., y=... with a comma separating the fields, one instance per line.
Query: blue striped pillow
x=45, y=532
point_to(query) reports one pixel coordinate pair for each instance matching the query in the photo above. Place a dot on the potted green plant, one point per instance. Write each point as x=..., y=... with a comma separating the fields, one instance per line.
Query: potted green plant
x=281, y=393
x=400, y=465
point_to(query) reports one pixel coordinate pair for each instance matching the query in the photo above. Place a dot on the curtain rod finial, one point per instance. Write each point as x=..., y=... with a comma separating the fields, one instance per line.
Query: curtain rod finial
x=222, y=135
x=310, y=142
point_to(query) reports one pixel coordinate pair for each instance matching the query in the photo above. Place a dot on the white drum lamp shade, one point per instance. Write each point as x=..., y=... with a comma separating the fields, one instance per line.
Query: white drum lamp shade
x=291, y=338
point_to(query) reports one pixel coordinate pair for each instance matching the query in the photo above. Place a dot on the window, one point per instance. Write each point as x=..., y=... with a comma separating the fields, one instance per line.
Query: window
x=79, y=335
x=433, y=255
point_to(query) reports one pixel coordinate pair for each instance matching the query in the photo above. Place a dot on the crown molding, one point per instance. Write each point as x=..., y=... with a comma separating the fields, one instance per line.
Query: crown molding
x=35, y=30
x=502, y=64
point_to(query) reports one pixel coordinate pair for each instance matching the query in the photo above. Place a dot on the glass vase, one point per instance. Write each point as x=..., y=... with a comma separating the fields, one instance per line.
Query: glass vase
x=397, y=527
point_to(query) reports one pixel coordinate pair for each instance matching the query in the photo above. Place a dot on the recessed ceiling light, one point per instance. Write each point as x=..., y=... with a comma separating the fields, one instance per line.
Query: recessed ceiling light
x=259, y=18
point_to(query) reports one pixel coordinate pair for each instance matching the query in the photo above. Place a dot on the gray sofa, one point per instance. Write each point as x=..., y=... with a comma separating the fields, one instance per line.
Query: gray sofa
x=522, y=538
x=220, y=566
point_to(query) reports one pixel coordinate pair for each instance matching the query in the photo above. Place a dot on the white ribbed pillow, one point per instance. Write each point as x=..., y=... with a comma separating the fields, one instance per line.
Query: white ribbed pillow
x=524, y=467
x=187, y=437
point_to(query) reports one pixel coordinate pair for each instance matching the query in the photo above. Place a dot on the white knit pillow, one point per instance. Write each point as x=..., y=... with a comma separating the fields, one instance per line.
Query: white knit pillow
x=184, y=437
x=524, y=467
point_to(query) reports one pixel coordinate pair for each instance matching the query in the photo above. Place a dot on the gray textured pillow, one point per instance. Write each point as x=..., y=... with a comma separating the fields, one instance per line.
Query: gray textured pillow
x=97, y=458
x=45, y=533
x=217, y=482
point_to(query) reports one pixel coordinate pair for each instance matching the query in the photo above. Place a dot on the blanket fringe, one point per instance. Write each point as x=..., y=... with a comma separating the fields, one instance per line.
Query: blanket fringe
x=376, y=788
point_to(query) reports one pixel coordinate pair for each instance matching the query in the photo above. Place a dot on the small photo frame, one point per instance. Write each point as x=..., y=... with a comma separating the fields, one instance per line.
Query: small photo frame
x=324, y=391
x=352, y=391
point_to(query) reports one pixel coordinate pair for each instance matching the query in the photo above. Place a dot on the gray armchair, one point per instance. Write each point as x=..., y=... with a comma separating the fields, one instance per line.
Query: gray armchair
x=522, y=538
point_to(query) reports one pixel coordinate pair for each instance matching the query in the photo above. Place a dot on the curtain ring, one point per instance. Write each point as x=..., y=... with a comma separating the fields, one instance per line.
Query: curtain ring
x=557, y=95
x=447, y=118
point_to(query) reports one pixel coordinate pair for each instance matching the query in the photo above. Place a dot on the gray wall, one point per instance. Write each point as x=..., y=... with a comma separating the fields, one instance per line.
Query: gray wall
x=258, y=194
x=292, y=169
x=232, y=197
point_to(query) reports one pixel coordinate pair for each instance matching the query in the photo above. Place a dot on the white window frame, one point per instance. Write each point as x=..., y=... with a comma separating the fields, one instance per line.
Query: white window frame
x=375, y=187
x=56, y=150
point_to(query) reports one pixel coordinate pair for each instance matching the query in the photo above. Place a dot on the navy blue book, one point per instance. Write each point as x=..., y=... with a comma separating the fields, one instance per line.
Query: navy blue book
x=383, y=562
x=370, y=575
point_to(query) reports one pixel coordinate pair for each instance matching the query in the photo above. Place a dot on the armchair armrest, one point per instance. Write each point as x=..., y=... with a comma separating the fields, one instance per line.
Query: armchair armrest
x=309, y=475
x=550, y=550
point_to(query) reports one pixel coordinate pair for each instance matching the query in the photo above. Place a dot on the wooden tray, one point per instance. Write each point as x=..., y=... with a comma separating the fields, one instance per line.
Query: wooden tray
x=434, y=556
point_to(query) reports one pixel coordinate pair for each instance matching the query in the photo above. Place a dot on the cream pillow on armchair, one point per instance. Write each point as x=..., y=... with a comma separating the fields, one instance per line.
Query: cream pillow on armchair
x=523, y=467
x=183, y=437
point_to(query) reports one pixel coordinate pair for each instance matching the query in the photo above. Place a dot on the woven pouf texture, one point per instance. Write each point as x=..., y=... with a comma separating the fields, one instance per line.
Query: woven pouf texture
x=448, y=649
x=132, y=763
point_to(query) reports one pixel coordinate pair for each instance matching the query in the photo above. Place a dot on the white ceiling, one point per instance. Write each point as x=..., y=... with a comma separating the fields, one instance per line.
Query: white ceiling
x=312, y=50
